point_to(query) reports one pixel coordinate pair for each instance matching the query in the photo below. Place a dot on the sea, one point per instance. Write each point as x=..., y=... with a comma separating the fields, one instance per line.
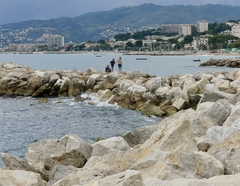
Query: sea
x=24, y=121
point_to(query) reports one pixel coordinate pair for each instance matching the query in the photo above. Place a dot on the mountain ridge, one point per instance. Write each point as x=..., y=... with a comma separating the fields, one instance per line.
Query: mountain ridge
x=95, y=25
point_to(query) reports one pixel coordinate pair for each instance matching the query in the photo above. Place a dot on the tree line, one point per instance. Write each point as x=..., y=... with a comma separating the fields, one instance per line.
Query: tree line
x=215, y=40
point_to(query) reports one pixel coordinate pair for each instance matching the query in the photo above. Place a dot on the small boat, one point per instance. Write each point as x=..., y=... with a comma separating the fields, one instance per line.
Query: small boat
x=141, y=58
x=196, y=60
x=98, y=55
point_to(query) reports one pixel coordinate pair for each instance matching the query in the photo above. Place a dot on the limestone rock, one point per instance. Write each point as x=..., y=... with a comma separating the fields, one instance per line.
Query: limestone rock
x=109, y=145
x=59, y=172
x=45, y=154
x=103, y=95
x=198, y=87
x=20, y=177
x=63, y=91
x=92, y=81
x=228, y=153
x=180, y=103
x=218, y=113
x=13, y=163
x=140, y=135
x=213, y=95
x=208, y=166
x=232, y=180
x=174, y=134
x=74, y=88
x=87, y=175
x=153, y=84
x=128, y=177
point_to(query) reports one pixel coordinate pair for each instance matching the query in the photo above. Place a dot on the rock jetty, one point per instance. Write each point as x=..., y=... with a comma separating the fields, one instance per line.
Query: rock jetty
x=150, y=95
x=232, y=62
x=198, y=145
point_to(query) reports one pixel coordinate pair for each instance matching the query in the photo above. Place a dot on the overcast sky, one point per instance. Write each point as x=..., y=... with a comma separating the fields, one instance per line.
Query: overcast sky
x=22, y=10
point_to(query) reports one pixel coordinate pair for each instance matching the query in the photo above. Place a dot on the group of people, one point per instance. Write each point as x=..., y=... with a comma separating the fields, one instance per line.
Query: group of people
x=112, y=63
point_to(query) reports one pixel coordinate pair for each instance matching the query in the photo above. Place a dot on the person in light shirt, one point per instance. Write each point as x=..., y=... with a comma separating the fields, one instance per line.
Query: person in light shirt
x=119, y=62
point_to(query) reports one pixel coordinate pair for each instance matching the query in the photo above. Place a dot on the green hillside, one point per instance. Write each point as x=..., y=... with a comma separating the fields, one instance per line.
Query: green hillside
x=96, y=25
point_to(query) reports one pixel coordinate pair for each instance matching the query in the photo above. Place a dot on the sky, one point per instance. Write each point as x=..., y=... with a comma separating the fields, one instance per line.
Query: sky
x=12, y=11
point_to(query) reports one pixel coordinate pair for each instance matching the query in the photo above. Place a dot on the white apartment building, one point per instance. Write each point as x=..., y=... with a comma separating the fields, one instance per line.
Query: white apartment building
x=236, y=30
x=200, y=42
x=56, y=41
x=186, y=30
x=202, y=26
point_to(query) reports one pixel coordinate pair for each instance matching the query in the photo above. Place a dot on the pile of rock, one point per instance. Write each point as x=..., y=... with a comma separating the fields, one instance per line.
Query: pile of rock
x=232, y=62
x=150, y=95
x=192, y=147
x=199, y=146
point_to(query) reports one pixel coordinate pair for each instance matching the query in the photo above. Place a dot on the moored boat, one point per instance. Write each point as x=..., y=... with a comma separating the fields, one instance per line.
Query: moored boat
x=196, y=60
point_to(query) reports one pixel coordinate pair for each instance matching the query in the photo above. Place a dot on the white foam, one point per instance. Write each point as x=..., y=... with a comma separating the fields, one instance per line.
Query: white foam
x=98, y=103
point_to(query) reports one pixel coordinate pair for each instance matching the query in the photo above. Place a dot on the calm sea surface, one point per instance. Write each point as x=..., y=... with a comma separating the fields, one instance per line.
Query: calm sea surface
x=23, y=121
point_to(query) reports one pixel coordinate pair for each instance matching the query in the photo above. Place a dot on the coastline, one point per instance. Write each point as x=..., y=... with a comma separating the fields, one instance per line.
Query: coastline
x=148, y=53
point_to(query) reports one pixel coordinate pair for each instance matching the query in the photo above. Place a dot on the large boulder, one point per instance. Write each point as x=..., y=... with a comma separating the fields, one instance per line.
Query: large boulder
x=85, y=176
x=20, y=177
x=109, y=145
x=63, y=91
x=154, y=83
x=218, y=134
x=45, y=154
x=136, y=92
x=212, y=94
x=222, y=84
x=34, y=83
x=232, y=180
x=13, y=163
x=127, y=178
x=75, y=87
x=103, y=95
x=234, y=115
x=198, y=87
x=176, y=133
x=228, y=153
x=139, y=136
x=217, y=113
x=91, y=82
x=59, y=172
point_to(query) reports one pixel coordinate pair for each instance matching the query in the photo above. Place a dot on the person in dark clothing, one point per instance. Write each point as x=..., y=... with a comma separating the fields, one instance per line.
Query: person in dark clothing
x=112, y=63
x=108, y=69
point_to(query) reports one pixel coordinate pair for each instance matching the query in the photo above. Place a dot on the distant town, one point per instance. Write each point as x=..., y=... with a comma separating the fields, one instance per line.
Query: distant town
x=224, y=37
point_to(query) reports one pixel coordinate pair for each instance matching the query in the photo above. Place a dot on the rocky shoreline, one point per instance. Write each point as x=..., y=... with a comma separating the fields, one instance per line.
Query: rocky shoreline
x=197, y=144
x=231, y=62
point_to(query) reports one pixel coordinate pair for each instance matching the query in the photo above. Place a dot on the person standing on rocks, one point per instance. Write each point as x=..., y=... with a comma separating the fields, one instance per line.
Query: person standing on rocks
x=119, y=62
x=112, y=63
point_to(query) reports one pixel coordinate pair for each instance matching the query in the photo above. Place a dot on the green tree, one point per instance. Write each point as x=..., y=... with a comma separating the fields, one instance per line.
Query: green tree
x=69, y=47
x=129, y=45
x=79, y=47
x=215, y=28
x=122, y=37
x=188, y=39
x=139, y=43
x=101, y=41
x=236, y=44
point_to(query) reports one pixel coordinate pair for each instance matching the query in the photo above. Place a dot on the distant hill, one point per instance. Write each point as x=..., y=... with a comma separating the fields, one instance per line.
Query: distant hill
x=104, y=24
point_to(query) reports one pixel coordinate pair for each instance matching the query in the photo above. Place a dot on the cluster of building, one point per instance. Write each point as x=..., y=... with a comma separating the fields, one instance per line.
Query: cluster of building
x=55, y=42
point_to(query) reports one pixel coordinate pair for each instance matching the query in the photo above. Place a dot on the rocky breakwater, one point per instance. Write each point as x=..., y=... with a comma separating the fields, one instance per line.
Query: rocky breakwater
x=197, y=146
x=232, y=62
x=150, y=95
